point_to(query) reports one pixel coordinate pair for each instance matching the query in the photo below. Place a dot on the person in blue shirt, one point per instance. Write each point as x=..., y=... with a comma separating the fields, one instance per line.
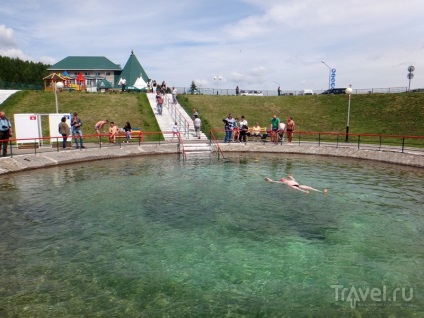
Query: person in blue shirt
x=76, y=130
x=229, y=126
x=5, y=132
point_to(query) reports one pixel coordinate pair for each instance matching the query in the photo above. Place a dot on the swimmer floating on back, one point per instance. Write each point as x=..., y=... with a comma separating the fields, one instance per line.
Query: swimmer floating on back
x=291, y=182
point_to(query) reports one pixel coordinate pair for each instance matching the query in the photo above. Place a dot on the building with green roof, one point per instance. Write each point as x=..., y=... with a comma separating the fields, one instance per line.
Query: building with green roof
x=93, y=68
x=96, y=69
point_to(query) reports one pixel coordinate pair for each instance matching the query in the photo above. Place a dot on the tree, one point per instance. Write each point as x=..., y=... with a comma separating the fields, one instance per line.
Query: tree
x=14, y=70
x=193, y=87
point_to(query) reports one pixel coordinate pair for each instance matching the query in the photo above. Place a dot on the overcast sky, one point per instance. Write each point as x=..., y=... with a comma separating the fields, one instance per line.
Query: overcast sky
x=250, y=43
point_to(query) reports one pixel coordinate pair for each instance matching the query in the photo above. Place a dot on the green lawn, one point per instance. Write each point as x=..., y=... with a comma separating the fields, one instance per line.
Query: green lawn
x=372, y=113
x=393, y=114
x=91, y=108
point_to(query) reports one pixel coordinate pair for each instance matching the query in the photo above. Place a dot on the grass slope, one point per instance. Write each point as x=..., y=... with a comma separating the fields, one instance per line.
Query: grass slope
x=397, y=114
x=90, y=107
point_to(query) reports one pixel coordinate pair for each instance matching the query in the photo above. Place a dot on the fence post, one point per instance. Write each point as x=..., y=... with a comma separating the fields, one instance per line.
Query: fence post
x=337, y=141
x=379, y=148
x=57, y=144
x=359, y=140
x=403, y=144
x=10, y=146
x=319, y=139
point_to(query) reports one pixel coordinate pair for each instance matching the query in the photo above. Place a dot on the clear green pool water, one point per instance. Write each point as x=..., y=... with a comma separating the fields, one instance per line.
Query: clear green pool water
x=158, y=237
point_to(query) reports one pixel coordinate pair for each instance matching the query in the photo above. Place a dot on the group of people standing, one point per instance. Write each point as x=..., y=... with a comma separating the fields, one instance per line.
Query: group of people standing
x=77, y=134
x=154, y=87
x=75, y=130
x=241, y=129
x=114, y=130
x=160, y=98
x=279, y=128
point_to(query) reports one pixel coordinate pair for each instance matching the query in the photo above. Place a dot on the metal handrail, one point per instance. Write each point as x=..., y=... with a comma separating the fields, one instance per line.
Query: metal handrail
x=377, y=143
x=178, y=117
x=34, y=143
x=216, y=143
x=362, y=141
x=181, y=143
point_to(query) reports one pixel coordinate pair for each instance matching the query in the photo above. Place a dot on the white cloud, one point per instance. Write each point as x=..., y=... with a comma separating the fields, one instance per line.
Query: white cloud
x=250, y=43
x=15, y=53
x=6, y=37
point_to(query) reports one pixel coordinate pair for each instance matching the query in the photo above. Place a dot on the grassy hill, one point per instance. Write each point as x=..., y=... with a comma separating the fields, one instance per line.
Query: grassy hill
x=90, y=107
x=397, y=114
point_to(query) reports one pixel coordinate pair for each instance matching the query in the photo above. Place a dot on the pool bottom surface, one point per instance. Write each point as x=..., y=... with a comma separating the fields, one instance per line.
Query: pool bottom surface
x=155, y=236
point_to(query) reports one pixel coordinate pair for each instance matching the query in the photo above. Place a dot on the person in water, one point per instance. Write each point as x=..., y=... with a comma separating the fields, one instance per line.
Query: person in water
x=292, y=183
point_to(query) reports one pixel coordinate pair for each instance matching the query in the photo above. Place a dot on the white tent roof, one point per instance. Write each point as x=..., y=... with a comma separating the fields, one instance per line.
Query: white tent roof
x=140, y=83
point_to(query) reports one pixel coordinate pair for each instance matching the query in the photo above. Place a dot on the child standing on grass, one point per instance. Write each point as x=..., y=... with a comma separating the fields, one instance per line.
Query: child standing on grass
x=175, y=131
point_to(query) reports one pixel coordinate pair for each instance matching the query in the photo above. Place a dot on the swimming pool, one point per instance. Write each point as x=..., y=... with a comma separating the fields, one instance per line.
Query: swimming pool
x=156, y=236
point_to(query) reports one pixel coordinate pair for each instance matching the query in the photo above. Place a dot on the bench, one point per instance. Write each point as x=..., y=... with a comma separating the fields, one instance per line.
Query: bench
x=135, y=133
x=262, y=138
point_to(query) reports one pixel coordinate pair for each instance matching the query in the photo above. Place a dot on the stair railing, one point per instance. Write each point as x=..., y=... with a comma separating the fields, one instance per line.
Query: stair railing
x=177, y=117
x=214, y=142
x=181, y=148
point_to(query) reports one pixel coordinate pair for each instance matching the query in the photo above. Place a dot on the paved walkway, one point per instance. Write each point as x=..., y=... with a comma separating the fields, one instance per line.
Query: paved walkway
x=47, y=157
x=5, y=93
x=171, y=114
x=25, y=159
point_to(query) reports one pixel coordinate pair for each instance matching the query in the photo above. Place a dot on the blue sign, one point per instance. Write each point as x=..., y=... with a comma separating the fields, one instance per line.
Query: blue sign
x=333, y=78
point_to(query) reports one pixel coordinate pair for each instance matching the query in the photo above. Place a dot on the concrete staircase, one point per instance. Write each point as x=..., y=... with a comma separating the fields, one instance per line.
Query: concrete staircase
x=175, y=113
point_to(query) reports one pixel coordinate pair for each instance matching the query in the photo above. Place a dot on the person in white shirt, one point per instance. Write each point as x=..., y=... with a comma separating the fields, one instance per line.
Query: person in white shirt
x=243, y=126
x=197, y=124
x=281, y=128
x=174, y=95
x=175, y=131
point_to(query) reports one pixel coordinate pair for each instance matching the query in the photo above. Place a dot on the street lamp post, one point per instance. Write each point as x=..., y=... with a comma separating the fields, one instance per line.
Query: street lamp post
x=57, y=85
x=329, y=74
x=349, y=93
x=217, y=78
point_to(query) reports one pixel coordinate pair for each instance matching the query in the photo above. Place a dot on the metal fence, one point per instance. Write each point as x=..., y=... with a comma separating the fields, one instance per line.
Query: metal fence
x=223, y=91
x=232, y=91
x=35, y=146
x=379, y=142
x=21, y=86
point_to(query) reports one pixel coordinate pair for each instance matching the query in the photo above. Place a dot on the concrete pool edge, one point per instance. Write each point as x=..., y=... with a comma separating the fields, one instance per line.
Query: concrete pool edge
x=49, y=159
x=25, y=162
x=350, y=151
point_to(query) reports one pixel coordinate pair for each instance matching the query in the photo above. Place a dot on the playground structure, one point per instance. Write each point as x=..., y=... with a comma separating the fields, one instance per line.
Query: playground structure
x=77, y=83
